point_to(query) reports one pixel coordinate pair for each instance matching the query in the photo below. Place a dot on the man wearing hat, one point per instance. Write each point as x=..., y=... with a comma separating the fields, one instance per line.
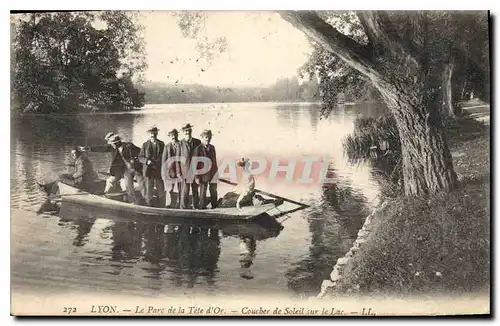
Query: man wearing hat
x=124, y=165
x=205, y=149
x=109, y=135
x=83, y=176
x=151, y=159
x=171, y=172
x=188, y=144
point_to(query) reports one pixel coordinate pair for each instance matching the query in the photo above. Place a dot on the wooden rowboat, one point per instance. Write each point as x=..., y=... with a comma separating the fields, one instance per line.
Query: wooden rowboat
x=71, y=194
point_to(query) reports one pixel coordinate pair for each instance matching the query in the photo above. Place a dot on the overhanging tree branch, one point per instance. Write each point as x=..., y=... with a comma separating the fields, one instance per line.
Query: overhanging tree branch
x=355, y=54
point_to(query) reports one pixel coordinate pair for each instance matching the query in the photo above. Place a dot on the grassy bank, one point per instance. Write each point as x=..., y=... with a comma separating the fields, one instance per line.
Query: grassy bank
x=437, y=244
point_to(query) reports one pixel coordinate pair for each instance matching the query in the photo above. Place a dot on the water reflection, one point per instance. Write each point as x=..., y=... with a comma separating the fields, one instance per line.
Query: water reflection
x=248, y=246
x=333, y=225
x=288, y=115
x=314, y=116
x=369, y=109
x=125, y=125
x=47, y=132
x=84, y=226
x=185, y=252
x=53, y=133
x=292, y=115
x=194, y=254
x=127, y=241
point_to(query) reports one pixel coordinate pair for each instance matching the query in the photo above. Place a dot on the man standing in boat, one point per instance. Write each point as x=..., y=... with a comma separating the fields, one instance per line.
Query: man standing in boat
x=188, y=144
x=171, y=172
x=205, y=180
x=151, y=159
x=124, y=165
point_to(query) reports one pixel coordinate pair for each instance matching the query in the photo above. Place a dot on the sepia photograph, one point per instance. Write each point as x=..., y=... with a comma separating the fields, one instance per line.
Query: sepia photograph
x=284, y=163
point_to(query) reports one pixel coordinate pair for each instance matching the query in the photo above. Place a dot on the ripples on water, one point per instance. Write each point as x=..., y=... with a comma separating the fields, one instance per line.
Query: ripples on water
x=82, y=250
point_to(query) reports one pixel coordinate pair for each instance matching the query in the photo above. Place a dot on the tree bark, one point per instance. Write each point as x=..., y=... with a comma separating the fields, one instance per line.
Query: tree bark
x=414, y=97
x=427, y=162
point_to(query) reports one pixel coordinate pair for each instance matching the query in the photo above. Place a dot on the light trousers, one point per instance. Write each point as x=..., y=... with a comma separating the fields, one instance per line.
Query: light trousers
x=127, y=184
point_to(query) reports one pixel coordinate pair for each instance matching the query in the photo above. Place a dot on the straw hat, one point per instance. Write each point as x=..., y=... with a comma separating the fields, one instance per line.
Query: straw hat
x=115, y=139
x=109, y=135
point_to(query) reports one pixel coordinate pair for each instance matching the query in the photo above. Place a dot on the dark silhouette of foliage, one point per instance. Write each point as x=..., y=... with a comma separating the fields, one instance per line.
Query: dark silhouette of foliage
x=284, y=90
x=70, y=61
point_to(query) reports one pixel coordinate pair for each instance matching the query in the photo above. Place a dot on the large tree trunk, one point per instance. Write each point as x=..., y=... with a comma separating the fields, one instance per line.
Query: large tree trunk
x=410, y=89
x=427, y=163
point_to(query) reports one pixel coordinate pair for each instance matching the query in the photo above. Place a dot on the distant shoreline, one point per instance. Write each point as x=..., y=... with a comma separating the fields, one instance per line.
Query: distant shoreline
x=193, y=104
x=242, y=102
x=141, y=109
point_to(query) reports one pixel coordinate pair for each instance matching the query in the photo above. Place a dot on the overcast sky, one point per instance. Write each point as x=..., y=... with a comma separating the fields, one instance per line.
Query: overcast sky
x=262, y=47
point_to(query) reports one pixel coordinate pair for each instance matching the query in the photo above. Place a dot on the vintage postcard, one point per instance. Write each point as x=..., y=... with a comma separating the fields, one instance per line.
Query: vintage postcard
x=250, y=163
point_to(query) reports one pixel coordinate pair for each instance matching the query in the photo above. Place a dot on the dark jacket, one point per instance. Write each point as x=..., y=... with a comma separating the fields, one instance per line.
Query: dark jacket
x=153, y=153
x=84, y=172
x=209, y=152
x=174, y=169
x=187, y=150
x=118, y=166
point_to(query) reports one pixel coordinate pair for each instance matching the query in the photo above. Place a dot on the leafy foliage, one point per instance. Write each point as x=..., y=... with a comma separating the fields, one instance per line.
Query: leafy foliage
x=456, y=37
x=64, y=62
x=460, y=38
x=471, y=50
x=338, y=82
x=192, y=23
x=372, y=138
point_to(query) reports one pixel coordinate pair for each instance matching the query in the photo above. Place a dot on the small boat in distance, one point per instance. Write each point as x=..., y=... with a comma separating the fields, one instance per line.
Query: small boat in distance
x=74, y=195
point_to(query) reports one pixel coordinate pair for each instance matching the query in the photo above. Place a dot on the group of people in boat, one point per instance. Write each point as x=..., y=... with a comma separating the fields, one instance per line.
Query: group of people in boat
x=147, y=166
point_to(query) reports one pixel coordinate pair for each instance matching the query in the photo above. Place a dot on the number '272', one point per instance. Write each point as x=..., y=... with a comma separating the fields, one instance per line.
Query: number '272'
x=69, y=310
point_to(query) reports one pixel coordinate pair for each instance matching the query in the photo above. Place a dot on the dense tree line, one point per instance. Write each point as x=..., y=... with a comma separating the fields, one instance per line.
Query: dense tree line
x=71, y=61
x=284, y=90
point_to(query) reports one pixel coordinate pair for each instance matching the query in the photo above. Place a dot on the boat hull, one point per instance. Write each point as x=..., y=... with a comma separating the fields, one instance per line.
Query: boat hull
x=71, y=194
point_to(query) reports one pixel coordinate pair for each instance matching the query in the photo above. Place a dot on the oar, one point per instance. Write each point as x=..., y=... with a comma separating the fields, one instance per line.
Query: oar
x=283, y=213
x=268, y=194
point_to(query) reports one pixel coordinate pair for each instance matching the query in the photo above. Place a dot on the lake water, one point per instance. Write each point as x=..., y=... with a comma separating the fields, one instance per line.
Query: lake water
x=89, y=251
